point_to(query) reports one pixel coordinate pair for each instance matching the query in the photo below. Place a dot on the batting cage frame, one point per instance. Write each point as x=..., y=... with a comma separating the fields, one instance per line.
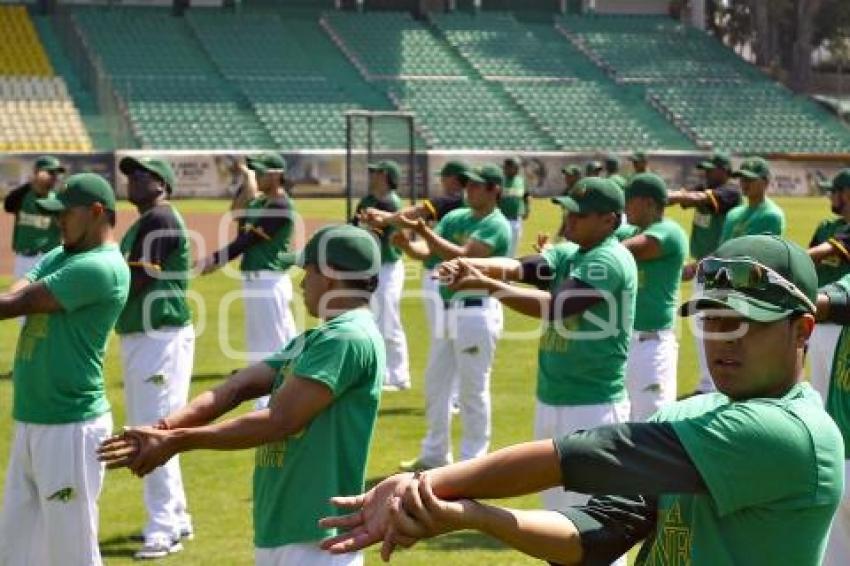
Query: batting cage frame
x=352, y=118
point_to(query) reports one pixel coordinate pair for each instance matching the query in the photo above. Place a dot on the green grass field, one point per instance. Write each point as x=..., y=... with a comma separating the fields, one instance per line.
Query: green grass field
x=219, y=483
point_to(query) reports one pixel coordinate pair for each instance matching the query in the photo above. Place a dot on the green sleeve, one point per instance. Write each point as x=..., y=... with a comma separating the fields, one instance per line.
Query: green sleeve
x=600, y=270
x=34, y=274
x=728, y=226
x=331, y=358
x=738, y=449
x=490, y=233
x=81, y=282
x=665, y=237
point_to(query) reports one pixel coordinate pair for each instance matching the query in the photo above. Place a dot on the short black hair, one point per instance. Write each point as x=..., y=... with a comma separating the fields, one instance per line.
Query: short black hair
x=366, y=283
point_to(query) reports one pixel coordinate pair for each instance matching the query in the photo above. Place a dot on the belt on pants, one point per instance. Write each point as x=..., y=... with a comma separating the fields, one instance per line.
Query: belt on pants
x=648, y=335
x=464, y=303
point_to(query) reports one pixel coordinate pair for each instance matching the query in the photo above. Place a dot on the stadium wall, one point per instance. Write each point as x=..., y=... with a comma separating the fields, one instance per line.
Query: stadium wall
x=207, y=174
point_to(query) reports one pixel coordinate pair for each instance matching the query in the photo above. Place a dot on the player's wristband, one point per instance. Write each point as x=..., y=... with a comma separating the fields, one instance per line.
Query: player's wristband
x=841, y=244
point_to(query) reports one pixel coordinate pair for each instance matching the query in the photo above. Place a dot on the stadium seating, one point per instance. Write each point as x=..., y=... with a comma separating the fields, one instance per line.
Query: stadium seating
x=36, y=112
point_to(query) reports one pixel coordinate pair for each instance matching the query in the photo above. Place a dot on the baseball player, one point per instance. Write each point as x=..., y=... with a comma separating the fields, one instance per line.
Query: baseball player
x=829, y=247
x=760, y=215
x=515, y=202
x=612, y=170
x=71, y=299
x=157, y=339
x=698, y=485
x=464, y=341
x=639, y=162
x=572, y=175
x=585, y=293
x=829, y=357
x=384, y=177
x=34, y=233
x=265, y=233
x=593, y=169
x=711, y=202
x=660, y=248
x=313, y=439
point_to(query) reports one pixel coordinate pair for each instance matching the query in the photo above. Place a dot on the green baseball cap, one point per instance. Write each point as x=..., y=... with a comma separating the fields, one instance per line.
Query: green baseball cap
x=82, y=189
x=593, y=194
x=487, y=173
x=612, y=162
x=266, y=163
x=593, y=167
x=647, y=185
x=840, y=182
x=637, y=156
x=573, y=170
x=341, y=246
x=742, y=284
x=453, y=169
x=718, y=159
x=159, y=167
x=49, y=163
x=753, y=168
x=391, y=168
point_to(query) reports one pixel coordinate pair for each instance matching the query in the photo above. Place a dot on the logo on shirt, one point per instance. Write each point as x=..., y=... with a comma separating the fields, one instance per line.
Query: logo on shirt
x=38, y=221
x=672, y=544
x=64, y=495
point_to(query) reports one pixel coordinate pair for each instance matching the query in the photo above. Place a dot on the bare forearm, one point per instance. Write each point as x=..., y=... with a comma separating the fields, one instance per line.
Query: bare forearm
x=546, y=535
x=248, y=431
x=441, y=247
x=688, y=199
x=517, y=470
x=524, y=300
x=501, y=268
x=417, y=250
x=821, y=251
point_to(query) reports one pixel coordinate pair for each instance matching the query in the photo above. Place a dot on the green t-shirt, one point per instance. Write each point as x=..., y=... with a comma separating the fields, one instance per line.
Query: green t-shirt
x=34, y=232
x=838, y=391
x=295, y=478
x=707, y=226
x=157, y=242
x=461, y=225
x=58, y=371
x=659, y=278
x=745, y=220
x=774, y=469
x=390, y=203
x=267, y=254
x=582, y=359
x=834, y=267
x=511, y=202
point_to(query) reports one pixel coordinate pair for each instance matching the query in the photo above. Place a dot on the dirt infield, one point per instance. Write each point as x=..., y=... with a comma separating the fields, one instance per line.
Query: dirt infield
x=205, y=225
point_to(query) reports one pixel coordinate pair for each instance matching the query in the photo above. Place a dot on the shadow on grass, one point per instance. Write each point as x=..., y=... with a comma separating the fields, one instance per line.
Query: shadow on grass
x=464, y=540
x=401, y=412
x=119, y=546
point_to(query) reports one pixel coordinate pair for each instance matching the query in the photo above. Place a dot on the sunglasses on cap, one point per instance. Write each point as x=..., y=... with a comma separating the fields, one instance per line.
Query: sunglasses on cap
x=746, y=275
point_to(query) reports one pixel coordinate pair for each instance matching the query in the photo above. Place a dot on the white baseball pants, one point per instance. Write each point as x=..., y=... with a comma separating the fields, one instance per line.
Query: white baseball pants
x=303, y=554
x=23, y=265
x=651, y=372
x=516, y=236
x=461, y=352
x=269, y=324
x=386, y=304
x=50, y=515
x=157, y=375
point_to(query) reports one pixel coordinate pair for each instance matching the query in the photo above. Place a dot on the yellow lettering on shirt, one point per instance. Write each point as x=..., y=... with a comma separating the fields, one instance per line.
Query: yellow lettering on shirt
x=557, y=338
x=270, y=455
x=672, y=545
x=34, y=220
x=841, y=363
x=34, y=330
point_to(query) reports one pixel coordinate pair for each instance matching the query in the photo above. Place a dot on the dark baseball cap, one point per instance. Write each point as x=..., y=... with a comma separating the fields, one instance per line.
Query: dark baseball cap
x=341, y=246
x=593, y=167
x=49, y=163
x=593, y=194
x=266, y=163
x=514, y=160
x=753, y=168
x=840, y=182
x=573, y=170
x=647, y=185
x=637, y=156
x=612, y=162
x=391, y=168
x=453, y=169
x=487, y=173
x=82, y=189
x=758, y=295
x=718, y=160
x=159, y=167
